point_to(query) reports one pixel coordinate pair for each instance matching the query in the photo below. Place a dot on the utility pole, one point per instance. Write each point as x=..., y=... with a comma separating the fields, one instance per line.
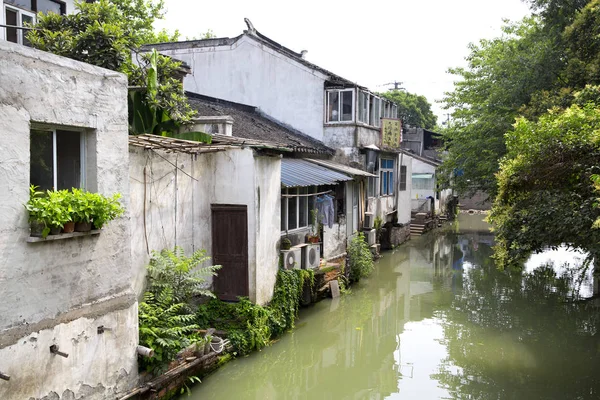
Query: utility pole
x=397, y=85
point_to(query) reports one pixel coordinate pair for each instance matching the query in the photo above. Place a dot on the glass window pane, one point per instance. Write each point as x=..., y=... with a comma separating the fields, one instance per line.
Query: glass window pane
x=333, y=105
x=292, y=210
x=68, y=159
x=391, y=183
x=384, y=184
x=347, y=105
x=303, y=208
x=26, y=20
x=283, y=211
x=41, y=172
x=46, y=6
x=20, y=3
x=11, y=19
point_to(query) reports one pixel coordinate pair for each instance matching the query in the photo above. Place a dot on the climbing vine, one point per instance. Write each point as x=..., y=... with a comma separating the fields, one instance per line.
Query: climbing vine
x=251, y=326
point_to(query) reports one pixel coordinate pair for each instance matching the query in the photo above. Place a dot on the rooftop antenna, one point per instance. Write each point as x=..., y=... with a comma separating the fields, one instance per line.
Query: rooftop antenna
x=397, y=85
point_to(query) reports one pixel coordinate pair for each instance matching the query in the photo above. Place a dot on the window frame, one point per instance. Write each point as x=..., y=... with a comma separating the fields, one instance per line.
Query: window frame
x=82, y=155
x=402, y=176
x=20, y=12
x=386, y=175
x=339, y=106
x=285, y=206
x=363, y=107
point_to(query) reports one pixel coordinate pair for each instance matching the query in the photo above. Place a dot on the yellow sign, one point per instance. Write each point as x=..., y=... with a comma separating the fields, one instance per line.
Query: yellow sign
x=391, y=133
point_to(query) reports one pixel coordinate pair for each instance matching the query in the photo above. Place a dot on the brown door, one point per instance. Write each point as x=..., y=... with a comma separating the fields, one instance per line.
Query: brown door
x=230, y=250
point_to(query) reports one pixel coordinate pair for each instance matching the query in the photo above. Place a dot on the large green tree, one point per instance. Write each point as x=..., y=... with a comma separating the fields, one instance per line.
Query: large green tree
x=500, y=78
x=413, y=109
x=546, y=195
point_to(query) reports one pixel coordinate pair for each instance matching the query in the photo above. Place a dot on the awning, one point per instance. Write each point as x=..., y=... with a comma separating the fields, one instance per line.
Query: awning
x=422, y=176
x=297, y=172
x=342, y=168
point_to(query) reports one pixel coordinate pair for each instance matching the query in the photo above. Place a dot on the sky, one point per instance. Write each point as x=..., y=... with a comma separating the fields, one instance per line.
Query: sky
x=371, y=42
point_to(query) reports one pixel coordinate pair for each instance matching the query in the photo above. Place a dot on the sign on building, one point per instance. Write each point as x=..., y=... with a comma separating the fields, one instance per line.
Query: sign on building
x=391, y=133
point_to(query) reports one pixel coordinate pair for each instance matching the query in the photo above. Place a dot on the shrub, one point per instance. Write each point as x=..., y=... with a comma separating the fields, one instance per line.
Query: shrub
x=361, y=259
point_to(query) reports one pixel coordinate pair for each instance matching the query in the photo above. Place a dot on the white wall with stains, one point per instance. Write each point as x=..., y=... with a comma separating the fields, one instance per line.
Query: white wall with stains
x=59, y=292
x=171, y=197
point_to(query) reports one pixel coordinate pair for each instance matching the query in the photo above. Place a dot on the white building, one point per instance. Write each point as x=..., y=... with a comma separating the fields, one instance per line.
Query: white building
x=253, y=69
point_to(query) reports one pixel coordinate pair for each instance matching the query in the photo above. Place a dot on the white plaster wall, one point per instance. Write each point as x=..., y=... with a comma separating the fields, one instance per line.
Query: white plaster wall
x=178, y=207
x=334, y=240
x=91, y=365
x=248, y=72
x=404, y=196
x=268, y=209
x=44, y=284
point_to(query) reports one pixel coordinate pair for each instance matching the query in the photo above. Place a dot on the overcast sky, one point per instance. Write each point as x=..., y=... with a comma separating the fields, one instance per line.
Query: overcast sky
x=371, y=42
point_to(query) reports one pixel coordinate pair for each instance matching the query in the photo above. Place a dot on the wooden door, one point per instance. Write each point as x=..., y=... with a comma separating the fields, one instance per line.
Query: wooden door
x=230, y=250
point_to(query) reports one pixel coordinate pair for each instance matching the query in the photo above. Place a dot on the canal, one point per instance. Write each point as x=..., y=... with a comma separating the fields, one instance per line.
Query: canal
x=436, y=320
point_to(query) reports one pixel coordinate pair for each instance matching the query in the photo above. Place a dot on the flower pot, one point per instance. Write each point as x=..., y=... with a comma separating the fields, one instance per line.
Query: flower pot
x=37, y=228
x=83, y=226
x=69, y=227
x=55, y=230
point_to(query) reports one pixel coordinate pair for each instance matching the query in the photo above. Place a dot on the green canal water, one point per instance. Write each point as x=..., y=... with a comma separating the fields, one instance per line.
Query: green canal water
x=436, y=320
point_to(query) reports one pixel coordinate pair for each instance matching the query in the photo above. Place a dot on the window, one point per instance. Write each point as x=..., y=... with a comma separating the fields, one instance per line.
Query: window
x=57, y=159
x=372, y=186
x=374, y=112
x=340, y=105
x=386, y=176
x=363, y=107
x=394, y=111
x=21, y=13
x=402, y=177
x=295, y=210
x=422, y=182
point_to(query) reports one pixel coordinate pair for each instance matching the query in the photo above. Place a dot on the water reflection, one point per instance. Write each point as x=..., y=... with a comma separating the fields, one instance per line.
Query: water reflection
x=436, y=320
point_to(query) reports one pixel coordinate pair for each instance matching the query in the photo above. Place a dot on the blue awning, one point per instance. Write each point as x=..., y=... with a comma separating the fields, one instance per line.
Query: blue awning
x=300, y=173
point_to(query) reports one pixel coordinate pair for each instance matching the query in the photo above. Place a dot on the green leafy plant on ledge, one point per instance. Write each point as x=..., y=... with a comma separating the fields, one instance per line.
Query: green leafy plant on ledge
x=51, y=210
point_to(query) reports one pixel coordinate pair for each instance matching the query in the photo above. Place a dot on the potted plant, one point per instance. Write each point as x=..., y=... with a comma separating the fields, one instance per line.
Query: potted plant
x=105, y=209
x=313, y=236
x=35, y=207
x=48, y=212
x=286, y=243
x=82, y=210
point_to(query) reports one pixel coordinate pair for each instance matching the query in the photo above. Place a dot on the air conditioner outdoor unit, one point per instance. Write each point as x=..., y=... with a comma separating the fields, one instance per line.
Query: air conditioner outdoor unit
x=292, y=258
x=311, y=256
x=369, y=220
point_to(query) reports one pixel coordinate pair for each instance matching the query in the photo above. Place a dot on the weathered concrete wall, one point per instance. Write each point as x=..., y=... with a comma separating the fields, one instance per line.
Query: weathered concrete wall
x=334, y=240
x=248, y=72
x=61, y=289
x=268, y=211
x=404, y=196
x=172, y=207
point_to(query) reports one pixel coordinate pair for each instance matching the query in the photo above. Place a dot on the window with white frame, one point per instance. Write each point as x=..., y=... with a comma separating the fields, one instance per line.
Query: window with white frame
x=394, y=111
x=295, y=208
x=372, y=186
x=363, y=107
x=386, y=176
x=21, y=13
x=422, y=182
x=340, y=105
x=57, y=159
x=374, y=111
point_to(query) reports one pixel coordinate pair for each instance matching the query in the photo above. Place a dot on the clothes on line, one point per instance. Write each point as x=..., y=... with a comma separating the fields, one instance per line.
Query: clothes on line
x=326, y=210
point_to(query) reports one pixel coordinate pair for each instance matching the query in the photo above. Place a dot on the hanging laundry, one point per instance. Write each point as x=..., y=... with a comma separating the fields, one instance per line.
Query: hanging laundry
x=326, y=210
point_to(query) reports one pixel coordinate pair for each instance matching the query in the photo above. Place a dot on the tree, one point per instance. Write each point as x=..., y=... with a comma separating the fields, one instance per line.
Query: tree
x=413, y=109
x=546, y=195
x=105, y=33
x=502, y=76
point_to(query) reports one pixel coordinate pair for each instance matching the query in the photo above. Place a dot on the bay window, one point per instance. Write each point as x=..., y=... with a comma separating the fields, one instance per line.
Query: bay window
x=340, y=105
x=363, y=107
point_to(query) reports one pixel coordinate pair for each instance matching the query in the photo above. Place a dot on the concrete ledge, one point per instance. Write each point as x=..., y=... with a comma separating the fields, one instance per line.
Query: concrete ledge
x=61, y=236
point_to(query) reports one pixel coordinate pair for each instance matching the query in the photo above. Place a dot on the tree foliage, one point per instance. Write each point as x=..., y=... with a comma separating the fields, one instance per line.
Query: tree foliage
x=546, y=196
x=106, y=33
x=414, y=110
